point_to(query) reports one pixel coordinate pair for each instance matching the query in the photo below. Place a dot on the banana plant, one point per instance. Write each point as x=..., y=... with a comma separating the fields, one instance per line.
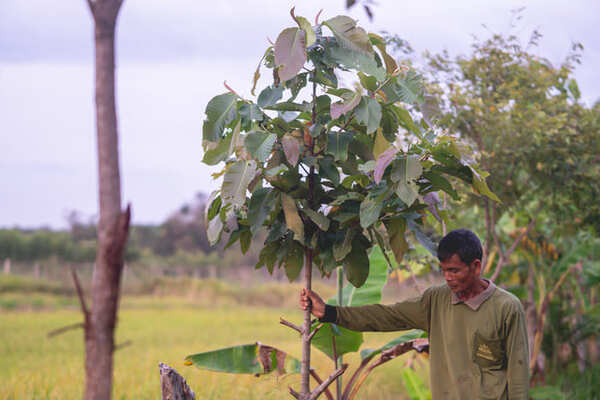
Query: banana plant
x=329, y=170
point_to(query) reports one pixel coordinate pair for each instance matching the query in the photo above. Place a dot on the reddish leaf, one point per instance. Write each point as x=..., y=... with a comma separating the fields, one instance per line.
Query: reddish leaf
x=383, y=161
x=291, y=148
x=290, y=52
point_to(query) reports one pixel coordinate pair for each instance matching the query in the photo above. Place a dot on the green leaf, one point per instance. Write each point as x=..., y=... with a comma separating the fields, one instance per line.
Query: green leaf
x=294, y=260
x=268, y=254
x=292, y=219
x=213, y=204
x=269, y=96
x=406, y=121
x=220, y=111
x=368, y=112
x=440, y=182
x=337, y=145
x=395, y=228
x=348, y=34
x=370, y=208
x=390, y=63
x=405, y=171
x=422, y=238
x=236, y=181
x=224, y=149
x=367, y=167
x=408, y=89
x=355, y=60
x=356, y=263
x=414, y=385
x=407, y=192
x=346, y=341
x=260, y=144
x=407, y=337
x=256, y=359
x=319, y=219
x=245, y=240
x=368, y=82
x=342, y=248
x=389, y=122
x=370, y=292
x=296, y=84
x=213, y=231
x=309, y=32
x=574, y=89
x=328, y=170
x=481, y=186
x=259, y=207
x=290, y=52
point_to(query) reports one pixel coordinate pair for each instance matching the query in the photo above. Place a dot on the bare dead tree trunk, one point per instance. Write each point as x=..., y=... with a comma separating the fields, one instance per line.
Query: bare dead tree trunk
x=173, y=385
x=113, y=226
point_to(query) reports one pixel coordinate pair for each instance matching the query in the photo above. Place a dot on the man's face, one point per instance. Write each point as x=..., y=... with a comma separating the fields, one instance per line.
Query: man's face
x=460, y=276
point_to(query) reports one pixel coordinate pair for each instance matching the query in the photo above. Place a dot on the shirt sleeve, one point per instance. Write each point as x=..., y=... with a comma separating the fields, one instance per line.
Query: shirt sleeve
x=409, y=314
x=517, y=353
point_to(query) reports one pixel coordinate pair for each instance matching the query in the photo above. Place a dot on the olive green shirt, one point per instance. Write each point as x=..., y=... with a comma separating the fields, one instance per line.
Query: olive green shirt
x=478, y=348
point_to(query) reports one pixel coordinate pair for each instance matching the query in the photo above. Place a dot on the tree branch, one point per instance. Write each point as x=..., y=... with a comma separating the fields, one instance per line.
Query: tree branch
x=319, y=389
x=320, y=381
x=64, y=329
x=289, y=324
x=314, y=332
x=513, y=247
x=418, y=345
x=293, y=392
x=84, y=309
x=122, y=345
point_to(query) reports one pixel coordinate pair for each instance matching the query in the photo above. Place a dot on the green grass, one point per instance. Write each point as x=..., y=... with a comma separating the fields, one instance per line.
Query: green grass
x=35, y=367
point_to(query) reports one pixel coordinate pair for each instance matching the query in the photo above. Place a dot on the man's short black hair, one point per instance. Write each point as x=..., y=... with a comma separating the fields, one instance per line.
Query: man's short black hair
x=462, y=242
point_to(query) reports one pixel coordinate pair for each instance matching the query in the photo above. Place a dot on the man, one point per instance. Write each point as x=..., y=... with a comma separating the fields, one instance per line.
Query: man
x=477, y=332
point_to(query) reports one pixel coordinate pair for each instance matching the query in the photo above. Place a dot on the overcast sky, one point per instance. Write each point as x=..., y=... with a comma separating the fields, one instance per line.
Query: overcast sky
x=173, y=56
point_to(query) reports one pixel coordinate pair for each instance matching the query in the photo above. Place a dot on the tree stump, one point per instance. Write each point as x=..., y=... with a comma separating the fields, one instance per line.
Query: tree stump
x=173, y=385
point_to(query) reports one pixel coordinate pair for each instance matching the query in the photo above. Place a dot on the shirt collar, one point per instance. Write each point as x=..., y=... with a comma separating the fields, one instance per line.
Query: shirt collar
x=475, y=302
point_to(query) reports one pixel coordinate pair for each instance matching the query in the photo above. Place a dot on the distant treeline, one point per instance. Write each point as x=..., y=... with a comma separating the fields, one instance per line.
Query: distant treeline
x=183, y=232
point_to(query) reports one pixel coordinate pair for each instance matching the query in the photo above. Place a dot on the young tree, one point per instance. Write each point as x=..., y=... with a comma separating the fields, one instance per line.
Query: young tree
x=333, y=171
x=113, y=224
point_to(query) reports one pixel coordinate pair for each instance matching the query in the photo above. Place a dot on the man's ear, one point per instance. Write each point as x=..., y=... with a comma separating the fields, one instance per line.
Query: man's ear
x=476, y=266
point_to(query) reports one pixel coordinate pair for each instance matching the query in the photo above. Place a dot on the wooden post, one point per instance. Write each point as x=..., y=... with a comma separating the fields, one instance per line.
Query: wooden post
x=7, y=266
x=173, y=385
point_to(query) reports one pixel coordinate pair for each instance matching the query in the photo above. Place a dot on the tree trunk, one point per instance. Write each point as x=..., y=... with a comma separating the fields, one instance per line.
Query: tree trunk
x=113, y=225
x=305, y=366
x=173, y=385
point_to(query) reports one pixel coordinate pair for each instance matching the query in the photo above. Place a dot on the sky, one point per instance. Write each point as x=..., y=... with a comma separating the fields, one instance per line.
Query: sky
x=172, y=58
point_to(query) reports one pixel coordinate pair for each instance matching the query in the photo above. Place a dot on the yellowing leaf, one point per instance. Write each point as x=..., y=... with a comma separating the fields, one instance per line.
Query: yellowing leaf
x=311, y=37
x=348, y=34
x=292, y=219
x=381, y=143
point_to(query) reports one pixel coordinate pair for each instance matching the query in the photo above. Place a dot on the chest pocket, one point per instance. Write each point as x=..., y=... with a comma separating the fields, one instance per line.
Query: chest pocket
x=489, y=354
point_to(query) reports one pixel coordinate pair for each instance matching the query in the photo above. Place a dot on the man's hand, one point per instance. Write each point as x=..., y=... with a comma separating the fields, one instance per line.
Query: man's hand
x=317, y=308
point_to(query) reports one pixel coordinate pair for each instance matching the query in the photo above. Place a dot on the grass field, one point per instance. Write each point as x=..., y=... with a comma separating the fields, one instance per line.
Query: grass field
x=165, y=329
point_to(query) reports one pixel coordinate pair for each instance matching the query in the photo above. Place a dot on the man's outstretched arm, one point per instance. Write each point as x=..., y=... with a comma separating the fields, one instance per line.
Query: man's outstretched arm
x=413, y=313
